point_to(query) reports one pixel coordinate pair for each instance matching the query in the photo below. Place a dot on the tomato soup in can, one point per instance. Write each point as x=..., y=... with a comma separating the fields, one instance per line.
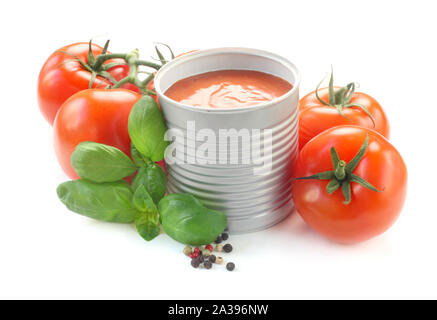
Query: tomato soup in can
x=237, y=159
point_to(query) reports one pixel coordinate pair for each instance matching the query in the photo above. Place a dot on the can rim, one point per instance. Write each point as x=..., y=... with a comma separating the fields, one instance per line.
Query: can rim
x=216, y=51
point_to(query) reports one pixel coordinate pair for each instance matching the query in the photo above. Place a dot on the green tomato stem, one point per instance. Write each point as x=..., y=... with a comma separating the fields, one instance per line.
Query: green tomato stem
x=149, y=64
x=107, y=56
x=342, y=174
x=341, y=98
x=96, y=66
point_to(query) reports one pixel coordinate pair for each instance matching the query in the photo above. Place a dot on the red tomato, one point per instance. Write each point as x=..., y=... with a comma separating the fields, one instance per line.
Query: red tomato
x=369, y=213
x=315, y=117
x=97, y=115
x=62, y=76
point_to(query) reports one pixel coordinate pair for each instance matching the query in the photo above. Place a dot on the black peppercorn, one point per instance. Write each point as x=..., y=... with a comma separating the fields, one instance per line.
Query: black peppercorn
x=225, y=236
x=230, y=266
x=219, y=239
x=212, y=258
x=207, y=265
x=195, y=263
x=201, y=258
x=227, y=248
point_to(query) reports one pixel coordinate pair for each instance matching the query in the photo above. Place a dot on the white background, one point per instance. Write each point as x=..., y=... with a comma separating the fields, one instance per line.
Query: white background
x=389, y=47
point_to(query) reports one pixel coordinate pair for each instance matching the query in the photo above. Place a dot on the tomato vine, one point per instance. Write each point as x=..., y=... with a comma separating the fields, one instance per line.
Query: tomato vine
x=97, y=67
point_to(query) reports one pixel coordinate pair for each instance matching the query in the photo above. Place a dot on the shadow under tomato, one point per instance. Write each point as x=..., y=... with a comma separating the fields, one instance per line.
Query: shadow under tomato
x=296, y=227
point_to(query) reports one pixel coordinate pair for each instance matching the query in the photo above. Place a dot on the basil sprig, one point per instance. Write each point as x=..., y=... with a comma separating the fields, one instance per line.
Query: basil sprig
x=102, y=194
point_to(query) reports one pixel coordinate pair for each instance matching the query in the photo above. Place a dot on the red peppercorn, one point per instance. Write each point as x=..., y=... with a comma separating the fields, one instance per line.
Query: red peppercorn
x=194, y=255
x=209, y=247
x=197, y=250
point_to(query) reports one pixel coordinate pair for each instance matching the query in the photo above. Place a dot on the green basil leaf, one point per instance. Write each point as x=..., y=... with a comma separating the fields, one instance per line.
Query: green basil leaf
x=147, y=220
x=153, y=178
x=147, y=225
x=111, y=201
x=187, y=220
x=143, y=201
x=101, y=163
x=147, y=129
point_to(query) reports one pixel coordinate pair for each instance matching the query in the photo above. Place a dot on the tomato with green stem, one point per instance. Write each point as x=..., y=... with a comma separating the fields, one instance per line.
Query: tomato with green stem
x=350, y=184
x=333, y=106
x=72, y=69
x=100, y=115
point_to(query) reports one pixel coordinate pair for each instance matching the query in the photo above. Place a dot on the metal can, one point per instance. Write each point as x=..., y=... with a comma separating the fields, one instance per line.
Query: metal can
x=251, y=200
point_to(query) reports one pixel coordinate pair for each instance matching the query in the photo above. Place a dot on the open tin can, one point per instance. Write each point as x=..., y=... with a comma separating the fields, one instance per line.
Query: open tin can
x=254, y=194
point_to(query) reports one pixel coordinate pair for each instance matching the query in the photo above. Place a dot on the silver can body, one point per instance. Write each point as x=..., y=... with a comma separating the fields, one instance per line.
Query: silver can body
x=251, y=201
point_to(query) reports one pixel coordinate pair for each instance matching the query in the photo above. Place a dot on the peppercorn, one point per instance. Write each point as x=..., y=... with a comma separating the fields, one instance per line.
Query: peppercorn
x=196, y=250
x=188, y=250
x=225, y=236
x=209, y=247
x=227, y=248
x=219, y=260
x=201, y=258
x=219, y=248
x=212, y=258
x=219, y=239
x=194, y=255
x=206, y=253
x=207, y=265
x=195, y=263
x=230, y=266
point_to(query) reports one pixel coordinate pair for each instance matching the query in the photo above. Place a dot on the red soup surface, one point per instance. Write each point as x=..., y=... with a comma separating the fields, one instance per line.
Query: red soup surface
x=228, y=89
